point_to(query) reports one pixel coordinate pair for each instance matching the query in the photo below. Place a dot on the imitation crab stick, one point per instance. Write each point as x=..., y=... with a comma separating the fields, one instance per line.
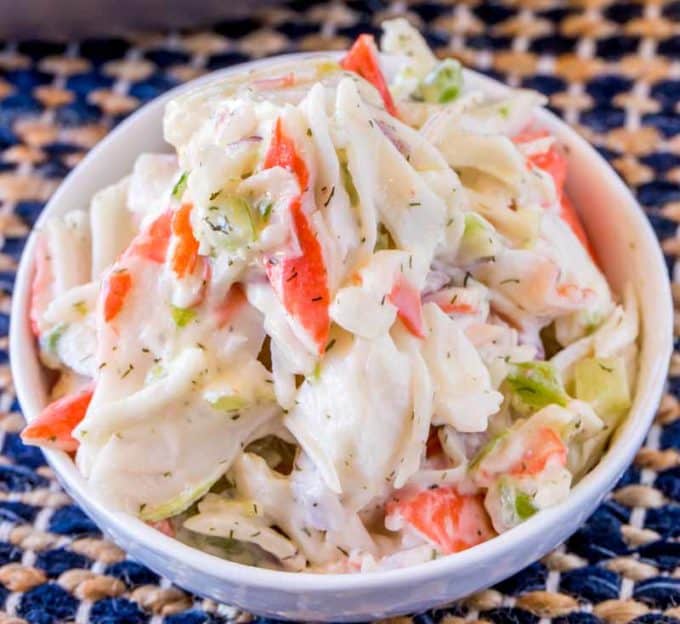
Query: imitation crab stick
x=362, y=59
x=115, y=290
x=406, y=298
x=152, y=243
x=451, y=520
x=55, y=425
x=544, y=445
x=185, y=252
x=300, y=280
x=40, y=287
x=282, y=153
x=554, y=163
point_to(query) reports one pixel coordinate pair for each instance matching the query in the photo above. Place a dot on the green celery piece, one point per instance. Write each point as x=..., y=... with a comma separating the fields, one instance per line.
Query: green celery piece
x=180, y=186
x=178, y=504
x=603, y=383
x=444, y=83
x=524, y=505
x=52, y=338
x=232, y=218
x=516, y=506
x=229, y=403
x=477, y=241
x=487, y=449
x=182, y=316
x=533, y=385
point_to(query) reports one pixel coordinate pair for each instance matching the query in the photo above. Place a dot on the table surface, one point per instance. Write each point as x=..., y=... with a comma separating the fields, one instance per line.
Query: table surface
x=611, y=69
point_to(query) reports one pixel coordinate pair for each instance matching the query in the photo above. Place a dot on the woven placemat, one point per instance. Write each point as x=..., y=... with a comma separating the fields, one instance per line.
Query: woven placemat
x=611, y=69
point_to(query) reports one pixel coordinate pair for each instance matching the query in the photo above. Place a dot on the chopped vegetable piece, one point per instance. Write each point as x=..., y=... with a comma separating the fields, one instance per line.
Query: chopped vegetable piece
x=524, y=506
x=488, y=449
x=406, y=298
x=301, y=281
x=180, y=186
x=282, y=153
x=362, y=59
x=50, y=340
x=185, y=252
x=182, y=316
x=229, y=403
x=230, y=217
x=535, y=385
x=451, y=520
x=515, y=505
x=603, y=383
x=478, y=241
x=176, y=505
x=152, y=243
x=54, y=426
x=444, y=83
x=542, y=446
x=114, y=291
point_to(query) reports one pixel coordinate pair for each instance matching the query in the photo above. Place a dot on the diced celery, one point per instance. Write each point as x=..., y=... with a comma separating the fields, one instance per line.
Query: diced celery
x=486, y=450
x=264, y=211
x=49, y=345
x=524, y=505
x=231, y=219
x=180, y=186
x=478, y=239
x=533, y=385
x=50, y=340
x=603, y=383
x=176, y=505
x=515, y=505
x=444, y=83
x=315, y=375
x=182, y=316
x=229, y=403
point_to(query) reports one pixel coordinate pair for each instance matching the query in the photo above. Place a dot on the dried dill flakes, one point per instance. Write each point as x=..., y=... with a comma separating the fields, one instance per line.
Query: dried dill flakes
x=330, y=196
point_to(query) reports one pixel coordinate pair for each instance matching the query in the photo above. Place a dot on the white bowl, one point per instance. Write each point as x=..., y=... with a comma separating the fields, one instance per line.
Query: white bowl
x=628, y=251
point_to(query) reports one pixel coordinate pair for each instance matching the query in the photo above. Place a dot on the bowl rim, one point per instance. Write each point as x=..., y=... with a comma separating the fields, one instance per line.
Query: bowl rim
x=594, y=486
